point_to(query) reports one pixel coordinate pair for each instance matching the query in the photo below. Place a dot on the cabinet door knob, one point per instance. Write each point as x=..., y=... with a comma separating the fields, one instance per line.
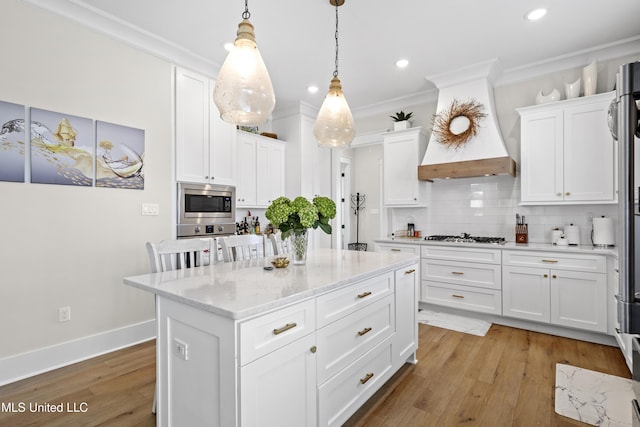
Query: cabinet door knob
x=558, y=194
x=313, y=349
x=554, y=276
x=567, y=194
x=206, y=177
x=546, y=275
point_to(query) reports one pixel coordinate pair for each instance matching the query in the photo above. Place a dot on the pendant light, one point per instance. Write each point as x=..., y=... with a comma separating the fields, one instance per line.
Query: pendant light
x=334, y=125
x=243, y=92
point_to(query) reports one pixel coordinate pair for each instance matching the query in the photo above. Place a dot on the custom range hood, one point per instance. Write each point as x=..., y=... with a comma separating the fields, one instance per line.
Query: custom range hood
x=466, y=108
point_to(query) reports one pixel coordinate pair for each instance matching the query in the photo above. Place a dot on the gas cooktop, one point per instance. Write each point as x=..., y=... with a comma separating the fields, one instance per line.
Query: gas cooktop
x=466, y=238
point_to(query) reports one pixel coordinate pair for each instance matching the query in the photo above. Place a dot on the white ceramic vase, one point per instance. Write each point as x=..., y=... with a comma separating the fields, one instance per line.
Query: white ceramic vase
x=590, y=78
x=572, y=90
x=554, y=95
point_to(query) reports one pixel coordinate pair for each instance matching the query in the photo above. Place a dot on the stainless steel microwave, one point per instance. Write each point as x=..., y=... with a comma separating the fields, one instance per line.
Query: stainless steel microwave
x=206, y=204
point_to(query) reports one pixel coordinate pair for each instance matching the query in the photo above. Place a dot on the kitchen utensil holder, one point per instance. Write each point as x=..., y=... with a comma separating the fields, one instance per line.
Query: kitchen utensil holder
x=522, y=233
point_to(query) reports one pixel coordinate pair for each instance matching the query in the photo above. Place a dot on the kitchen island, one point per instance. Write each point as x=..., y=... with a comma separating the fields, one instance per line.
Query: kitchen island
x=238, y=345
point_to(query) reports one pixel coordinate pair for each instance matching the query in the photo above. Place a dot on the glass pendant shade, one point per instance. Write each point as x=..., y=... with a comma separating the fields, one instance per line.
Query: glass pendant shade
x=334, y=125
x=243, y=92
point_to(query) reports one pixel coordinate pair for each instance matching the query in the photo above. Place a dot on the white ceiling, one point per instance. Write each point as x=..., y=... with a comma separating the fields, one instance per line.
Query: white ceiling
x=296, y=38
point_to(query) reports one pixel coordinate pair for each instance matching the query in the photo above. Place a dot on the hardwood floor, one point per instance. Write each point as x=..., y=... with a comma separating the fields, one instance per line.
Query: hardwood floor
x=506, y=378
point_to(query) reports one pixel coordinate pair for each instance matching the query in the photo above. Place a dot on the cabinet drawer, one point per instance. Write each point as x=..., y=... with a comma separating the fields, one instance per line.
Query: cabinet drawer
x=267, y=333
x=556, y=260
x=490, y=256
x=342, y=342
x=470, y=274
x=340, y=303
x=408, y=248
x=463, y=297
x=341, y=396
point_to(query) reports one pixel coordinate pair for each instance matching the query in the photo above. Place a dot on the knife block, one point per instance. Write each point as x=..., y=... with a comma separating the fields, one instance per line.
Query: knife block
x=522, y=233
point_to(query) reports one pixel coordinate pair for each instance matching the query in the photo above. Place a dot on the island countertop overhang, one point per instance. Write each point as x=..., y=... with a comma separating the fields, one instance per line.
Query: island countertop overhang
x=243, y=289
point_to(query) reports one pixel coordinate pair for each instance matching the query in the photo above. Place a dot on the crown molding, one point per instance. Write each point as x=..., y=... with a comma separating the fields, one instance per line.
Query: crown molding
x=605, y=52
x=95, y=19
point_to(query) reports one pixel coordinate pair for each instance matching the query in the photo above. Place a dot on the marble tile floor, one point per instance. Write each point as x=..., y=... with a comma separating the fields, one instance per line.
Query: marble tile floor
x=592, y=397
x=451, y=321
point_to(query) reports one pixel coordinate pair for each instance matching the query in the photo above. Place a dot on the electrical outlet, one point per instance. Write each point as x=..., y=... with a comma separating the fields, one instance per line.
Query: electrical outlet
x=181, y=349
x=64, y=314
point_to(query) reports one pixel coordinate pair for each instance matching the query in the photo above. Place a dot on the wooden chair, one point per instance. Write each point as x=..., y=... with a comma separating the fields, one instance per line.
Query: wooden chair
x=236, y=248
x=280, y=246
x=174, y=255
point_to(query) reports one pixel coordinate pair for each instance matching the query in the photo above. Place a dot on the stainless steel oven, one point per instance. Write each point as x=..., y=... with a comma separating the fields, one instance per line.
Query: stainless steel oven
x=206, y=210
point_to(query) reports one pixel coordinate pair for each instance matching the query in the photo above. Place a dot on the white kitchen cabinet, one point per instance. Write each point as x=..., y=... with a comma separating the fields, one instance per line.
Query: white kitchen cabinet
x=398, y=247
x=407, y=283
x=402, y=153
x=561, y=289
x=567, y=152
x=279, y=389
x=260, y=170
x=465, y=278
x=205, y=145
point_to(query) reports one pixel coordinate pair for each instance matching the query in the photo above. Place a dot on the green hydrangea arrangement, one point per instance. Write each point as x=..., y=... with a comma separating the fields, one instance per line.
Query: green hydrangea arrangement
x=300, y=214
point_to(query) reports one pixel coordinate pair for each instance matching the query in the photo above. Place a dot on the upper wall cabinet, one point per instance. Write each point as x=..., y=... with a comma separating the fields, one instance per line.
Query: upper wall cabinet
x=260, y=169
x=567, y=152
x=402, y=153
x=205, y=145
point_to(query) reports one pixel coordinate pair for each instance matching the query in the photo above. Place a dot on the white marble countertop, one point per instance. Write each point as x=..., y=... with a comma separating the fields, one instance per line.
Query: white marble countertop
x=546, y=247
x=241, y=289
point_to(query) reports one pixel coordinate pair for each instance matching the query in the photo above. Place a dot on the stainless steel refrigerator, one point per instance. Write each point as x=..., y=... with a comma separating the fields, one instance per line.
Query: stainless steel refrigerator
x=623, y=121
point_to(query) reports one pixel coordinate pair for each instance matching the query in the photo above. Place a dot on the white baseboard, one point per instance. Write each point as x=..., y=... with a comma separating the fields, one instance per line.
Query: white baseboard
x=20, y=366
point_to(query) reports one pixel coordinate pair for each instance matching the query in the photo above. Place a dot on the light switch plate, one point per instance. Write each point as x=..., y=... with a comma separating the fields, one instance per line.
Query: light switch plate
x=150, y=209
x=181, y=349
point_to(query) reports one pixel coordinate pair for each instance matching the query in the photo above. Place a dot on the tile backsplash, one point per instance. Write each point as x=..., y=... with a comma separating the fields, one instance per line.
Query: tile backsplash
x=488, y=206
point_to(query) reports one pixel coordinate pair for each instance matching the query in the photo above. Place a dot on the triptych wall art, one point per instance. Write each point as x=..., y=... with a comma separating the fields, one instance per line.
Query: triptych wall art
x=69, y=150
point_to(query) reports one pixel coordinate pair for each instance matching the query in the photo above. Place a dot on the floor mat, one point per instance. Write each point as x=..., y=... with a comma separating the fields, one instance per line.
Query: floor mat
x=593, y=397
x=454, y=322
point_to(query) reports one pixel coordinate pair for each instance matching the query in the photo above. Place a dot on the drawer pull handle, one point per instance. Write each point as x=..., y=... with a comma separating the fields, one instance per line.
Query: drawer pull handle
x=552, y=261
x=364, y=294
x=395, y=250
x=413, y=270
x=284, y=328
x=366, y=378
x=457, y=296
x=457, y=273
x=364, y=331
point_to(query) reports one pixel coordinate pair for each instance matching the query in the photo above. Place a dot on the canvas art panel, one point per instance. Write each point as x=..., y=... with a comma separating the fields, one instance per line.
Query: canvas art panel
x=120, y=156
x=62, y=148
x=12, y=142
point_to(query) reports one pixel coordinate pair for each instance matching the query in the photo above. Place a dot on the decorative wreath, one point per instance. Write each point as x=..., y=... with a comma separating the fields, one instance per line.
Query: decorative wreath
x=472, y=110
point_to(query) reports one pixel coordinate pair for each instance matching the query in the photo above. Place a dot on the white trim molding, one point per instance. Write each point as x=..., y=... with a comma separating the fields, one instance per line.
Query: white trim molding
x=25, y=365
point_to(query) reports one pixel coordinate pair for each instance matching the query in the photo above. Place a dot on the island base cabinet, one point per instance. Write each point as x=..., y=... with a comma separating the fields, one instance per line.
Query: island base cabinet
x=341, y=396
x=280, y=389
x=195, y=367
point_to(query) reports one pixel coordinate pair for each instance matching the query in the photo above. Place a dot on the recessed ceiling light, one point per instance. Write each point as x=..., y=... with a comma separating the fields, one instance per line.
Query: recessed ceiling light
x=228, y=46
x=401, y=63
x=536, y=14
x=312, y=89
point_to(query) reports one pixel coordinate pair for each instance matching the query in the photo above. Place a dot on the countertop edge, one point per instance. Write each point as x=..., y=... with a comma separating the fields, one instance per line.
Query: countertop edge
x=271, y=305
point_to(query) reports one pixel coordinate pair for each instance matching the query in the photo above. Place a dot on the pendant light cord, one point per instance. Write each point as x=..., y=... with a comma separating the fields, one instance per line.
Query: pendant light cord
x=335, y=72
x=246, y=14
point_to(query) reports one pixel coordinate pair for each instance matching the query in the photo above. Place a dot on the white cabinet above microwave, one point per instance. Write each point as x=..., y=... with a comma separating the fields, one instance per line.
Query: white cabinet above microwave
x=205, y=145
